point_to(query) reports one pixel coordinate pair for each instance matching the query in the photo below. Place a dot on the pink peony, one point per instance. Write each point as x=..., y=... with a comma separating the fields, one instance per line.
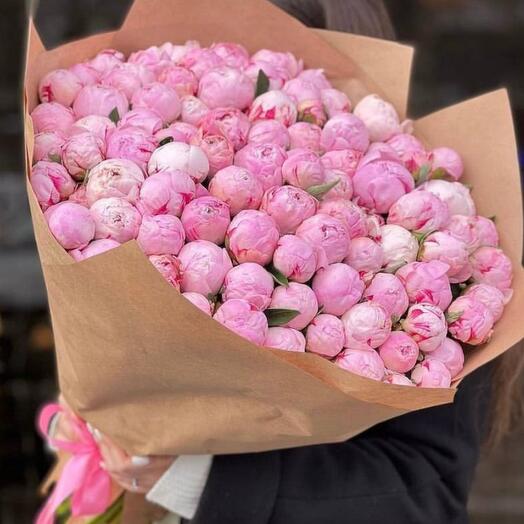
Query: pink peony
x=300, y=90
x=161, y=235
x=431, y=373
x=490, y=296
x=475, y=231
x=289, y=206
x=52, y=116
x=325, y=336
x=366, y=325
x=226, y=87
x=297, y=297
x=200, y=60
x=334, y=102
x=60, y=86
x=388, y=291
x=470, y=321
x=338, y=288
x=365, y=256
x=295, y=259
x=86, y=73
x=100, y=100
x=397, y=379
x=178, y=131
x=193, y=110
x=380, y=117
x=131, y=143
x=238, y=188
x=51, y=183
x=48, y=146
x=274, y=105
x=114, y=178
x=352, y=216
x=182, y=80
x=124, y=79
x=206, y=218
x=491, y=266
x=328, y=233
x=219, y=152
x=115, y=218
x=304, y=135
x=283, y=60
x=447, y=160
x=204, y=267
x=166, y=192
x=228, y=122
x=399, y=246
x=363, y=362
x=233, y=55
x=456, y=195
x=150, y=57
x=71, y=224
x=410, y=151
x=200, y=301
x=269, y=132
x=99, y=125
x=450, y=353
x=379, y=151
x=96, y=247
x=343, y=188
x=145, y=119
x=78, y=196
x=250, y=282
x=106, y=60
x=344, y=131
x=285, y=338
x=303, y=168
x=178, y=155
x=374, y=224
x=81, y=152
x=419, y=211
x=264, y=161
x=345, y=160
x=240, y=317
x=169, y=267
x=177, y=52
x=252, y=236
x=427, y=325
x=399, y=352
x=160, y=98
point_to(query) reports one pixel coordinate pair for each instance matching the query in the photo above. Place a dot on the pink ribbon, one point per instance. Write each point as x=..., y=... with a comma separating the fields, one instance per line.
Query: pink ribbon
x=82, y=477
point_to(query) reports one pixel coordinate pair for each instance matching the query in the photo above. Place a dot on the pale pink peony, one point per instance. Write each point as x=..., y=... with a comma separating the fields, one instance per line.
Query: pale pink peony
x=252, y=236
x=115, y=218
x=78, y=196
x=297, y=297
x=131, y=143
x=166, y=192
x=363, y=362
x=450, y=353
x=114, y=178
x=219, y=151
x=431, y=373
x=178, y=155
x=264, y=161
x=345, y=160
x=326, y=232
x=204, y=267
x=96, y=247
x=419, y=211
x=300, y=90
x=365, y=256
x=426, y=282
x=269, y=132
x=60, y=86
x=303, y=168
x=143, y=118
x=242, y=318
x=200, y=61
x=343, y=187
x=233, y=55
x=71, y=224
x=277, y=75
x=379, y=151
x=229, y=122
x=311, y=111
x=344, y=131
x=397, y=379
x=380, y=117
x=284, y=338
x=52, y=116
x=325, y=336
x=124, y=79
x=159, y=98
x=445, y=248
x=161, y=235
x=81, y=152
x=238, y=188
x=226, y=87
x=51, y=183
x=490, y=265
x=295, y=258
x=334, y=102
x=193, y=110
x=169, y=267
x=410, y=151
x=374, y=224
x=304, y=135
x=388, y=291
x=399, y=246
x=250, y=282
x=106, y=60
x=201, y=191
x=338, y=288
x=399, y=352
x=456, y=195
x=100, y=100
x=150, y=57
x=427, y=325
x=86, y=73
x=48, y=146
x=200, y=301
x=284, y=60
x=470, y=321
x=206, y=218
x=177, y=52
x=182, y=80
x=274, y=105
x=366, y=325
x=490, y=296
x=475, y=231
x=447, y=160
x=352, y=216
x=178, y=131
x=378, y=185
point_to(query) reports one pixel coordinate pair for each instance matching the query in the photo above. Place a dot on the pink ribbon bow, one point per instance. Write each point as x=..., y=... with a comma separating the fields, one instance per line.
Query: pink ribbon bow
x=82, y=477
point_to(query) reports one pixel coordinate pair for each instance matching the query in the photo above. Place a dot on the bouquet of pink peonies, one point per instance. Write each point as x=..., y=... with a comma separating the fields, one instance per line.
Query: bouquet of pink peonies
x=245, y=244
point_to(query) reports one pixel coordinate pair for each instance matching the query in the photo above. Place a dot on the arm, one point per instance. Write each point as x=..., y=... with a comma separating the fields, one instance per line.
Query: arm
x=415, y=468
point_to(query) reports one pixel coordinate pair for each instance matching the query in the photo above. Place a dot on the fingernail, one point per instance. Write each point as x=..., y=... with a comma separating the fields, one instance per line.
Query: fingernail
x=97, y=435
x=139, y=460
x=89, y=428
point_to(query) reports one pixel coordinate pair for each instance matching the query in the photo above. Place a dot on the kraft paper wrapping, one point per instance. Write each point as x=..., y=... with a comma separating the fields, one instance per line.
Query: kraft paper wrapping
x=142, y=364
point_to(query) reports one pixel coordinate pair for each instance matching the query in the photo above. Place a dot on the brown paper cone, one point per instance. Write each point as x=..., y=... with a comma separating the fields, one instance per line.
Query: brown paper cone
x=145, y=366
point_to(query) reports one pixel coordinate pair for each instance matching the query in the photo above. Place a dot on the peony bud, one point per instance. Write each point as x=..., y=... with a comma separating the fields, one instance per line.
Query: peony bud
x=410, y=151
x=470, y=321
x=345, y=160
x=491, y=266
x=380, y=117
x=397, y=379
x=334, y=102
x=233, y=55
x=343, y=188
x=115, y=218
x=475, y=231
x=193, y=110
x=456, y=195
x=131, y=143
x=351, y=215
x=450, y=353
x=378, y=151
x=161, y=235
x=298, y=297
x=145, y=119
x=100, y=100
x=365, y=256
x=303, y=168
x=315, y=77
x=284, y=338
x=387, y=290
x=264, y=161
x=228, y=122
x=206, y=218
x=426, y=325
x=52, y=116
x=325, y=336
x=344, y=131
x=177, y=155
x=226, y=87
x=399, y=246
x=219, y=152
x=48, y=146
x=98, y=125
x=169, y=267
x=82, y=152
x=366, y=325
x=269, y=132
x=363, y=362
x=399, y=352
x=447, y=160
x=51, y=183
x=304, y=135
x=86, y=73
x=179, y=132
x=71, y=224
x=182, y=80
x=60, y=86
x=284, y=60
x=106, y=60
x=295, y=259
x=200, y=60
x=274, y=105
x=200, y=301
x=490, y=296
x=159, y=98
x=124, y=79
x=431, y=373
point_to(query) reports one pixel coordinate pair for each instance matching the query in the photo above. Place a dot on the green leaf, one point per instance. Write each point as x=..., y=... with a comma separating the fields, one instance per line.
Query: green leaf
x=319, y=191
x=63, y=512
x=262, y=83
x=165, y=141
x=493, y=218
x=421, y=237
x=114, y=116
x=453, y=317
x=278, y=276
x=441, y=174
x=395, y=268
x=303, y=116
x=279, y=317
x=421, y=174
x=55, y=157
x=112, y=514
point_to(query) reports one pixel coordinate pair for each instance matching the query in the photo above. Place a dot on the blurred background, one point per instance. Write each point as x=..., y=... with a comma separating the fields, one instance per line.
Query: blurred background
x=464, y=48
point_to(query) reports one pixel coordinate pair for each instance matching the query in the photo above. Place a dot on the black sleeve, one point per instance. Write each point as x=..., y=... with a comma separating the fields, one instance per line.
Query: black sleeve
x=415, y=468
